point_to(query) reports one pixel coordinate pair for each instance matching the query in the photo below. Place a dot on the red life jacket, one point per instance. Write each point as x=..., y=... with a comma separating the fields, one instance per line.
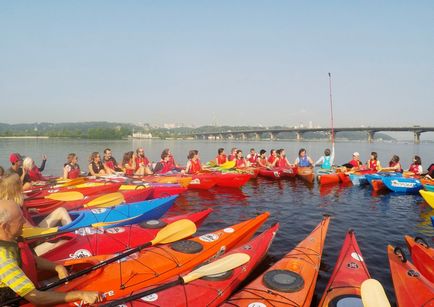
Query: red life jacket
x=240, y=163
x=282, y=163
x=271, y=159
x=263, y=161
x=35, y=174
x=195, y=167
x=167, y=167
x=74, y=172
x=252, y=158
x=231, y=157
x=393, y=164
x=373, y=164
x=129, y=171
x=221, y=159
x=414, y=168
x=355, y=163
x=143, y=160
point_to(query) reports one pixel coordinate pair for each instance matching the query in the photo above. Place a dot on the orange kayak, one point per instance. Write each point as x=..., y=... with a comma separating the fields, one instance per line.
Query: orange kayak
x=347, y=277
x=306, y=173
x=328, y=178
x=291, y=281
x=157, y=264
x=411, y=287
x=422, y=256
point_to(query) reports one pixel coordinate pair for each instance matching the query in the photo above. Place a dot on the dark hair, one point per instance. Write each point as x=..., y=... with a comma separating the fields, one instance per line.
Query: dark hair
x=127, y=157
x=272, y=150
x=106, y=150
x=220, y=150
x=374, y=154
x=238, y=151
x=70, y=157
x=252, y=149
x=233, y=148
x=166, y=150
x=418, y=160
x=164, y=154
x=2, y=171
x=192, y=153
x=327, y=152
x=395, y=159
x=262, y=151
x=301, y=150
x=93, y=156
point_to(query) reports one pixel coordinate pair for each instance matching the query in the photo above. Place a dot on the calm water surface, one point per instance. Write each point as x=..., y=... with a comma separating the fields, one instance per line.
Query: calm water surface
x=378, y=220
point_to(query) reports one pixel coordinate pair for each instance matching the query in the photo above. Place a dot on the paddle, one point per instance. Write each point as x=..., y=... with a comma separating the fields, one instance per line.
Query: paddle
x=373, y=294
x=228, y=165
x=107, y=200
x=217, y=267
x=173, y=232
x=65, y=196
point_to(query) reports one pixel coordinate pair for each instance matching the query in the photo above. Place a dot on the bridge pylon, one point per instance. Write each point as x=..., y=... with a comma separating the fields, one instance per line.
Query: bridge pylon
x=417, y=137
x=371, y=135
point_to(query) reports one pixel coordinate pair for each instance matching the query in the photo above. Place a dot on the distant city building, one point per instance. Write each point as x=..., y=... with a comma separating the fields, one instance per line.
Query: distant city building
x=141, y=135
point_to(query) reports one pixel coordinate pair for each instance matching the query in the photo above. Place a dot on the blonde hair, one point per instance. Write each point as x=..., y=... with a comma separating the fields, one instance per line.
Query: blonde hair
x=28, y=163
x=11, y=189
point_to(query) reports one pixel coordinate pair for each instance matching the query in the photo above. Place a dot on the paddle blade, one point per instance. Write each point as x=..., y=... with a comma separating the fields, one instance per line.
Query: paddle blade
x=175, y=231
x=228, y=165
x=217, y=267
x=108, y=200
x=65, y=196
x=373, y=294
x=108, y=224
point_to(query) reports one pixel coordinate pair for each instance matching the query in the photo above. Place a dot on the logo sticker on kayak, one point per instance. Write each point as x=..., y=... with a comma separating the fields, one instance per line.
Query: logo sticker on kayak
x=81, y=253
x=98, y=210
x=357, y=256
x=229, y=230
x=115, y=230
x=53, y=191
x=195, y=181
x=150, y=298
x=209, y=237
x=88, y=231
x=400, y=184
x=257, y=304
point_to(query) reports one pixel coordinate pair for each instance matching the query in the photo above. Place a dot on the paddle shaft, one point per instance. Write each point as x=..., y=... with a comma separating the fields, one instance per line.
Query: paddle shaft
x=331, y=108
x=139, y=295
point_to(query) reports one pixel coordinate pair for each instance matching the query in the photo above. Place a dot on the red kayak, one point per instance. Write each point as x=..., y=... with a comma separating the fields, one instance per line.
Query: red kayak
x=411, y=287
x=231, y=180
x=350, y=271
x=328, y=178
x=344, y=178
x=270, y=173
x=86, y=191
x=422, y=255
x=202, y=182
x=88, y=241
x=159, y=191
x=121, y=197
x=212, y=290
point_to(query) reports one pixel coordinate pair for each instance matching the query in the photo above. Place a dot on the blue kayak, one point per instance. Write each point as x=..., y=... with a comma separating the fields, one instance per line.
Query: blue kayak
x=358, y=179
x=429, y=187
x=120, y=215
x=402, y=185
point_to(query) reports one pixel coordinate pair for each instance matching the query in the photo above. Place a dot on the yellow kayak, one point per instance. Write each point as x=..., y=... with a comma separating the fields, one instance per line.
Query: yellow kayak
x=428, y=196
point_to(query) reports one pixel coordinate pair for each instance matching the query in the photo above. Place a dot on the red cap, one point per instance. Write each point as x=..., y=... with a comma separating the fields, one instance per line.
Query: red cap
x=15, y=157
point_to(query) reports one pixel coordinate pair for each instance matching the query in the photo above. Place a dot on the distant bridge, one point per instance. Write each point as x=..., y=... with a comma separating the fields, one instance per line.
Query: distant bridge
x=272, y=133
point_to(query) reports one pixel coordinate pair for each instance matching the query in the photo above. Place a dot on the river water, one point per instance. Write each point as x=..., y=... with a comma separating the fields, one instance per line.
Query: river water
x=378, y=220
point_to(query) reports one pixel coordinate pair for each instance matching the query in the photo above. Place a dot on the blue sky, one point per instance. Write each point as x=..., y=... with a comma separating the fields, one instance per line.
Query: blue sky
x=229, y=62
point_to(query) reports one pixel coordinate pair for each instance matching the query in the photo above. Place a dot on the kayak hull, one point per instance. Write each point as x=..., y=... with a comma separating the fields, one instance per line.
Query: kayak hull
x=428, y=196
x=422, y=256
x=402, y=185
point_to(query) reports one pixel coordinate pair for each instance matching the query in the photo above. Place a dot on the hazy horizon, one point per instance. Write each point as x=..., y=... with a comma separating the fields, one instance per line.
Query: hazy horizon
x=225, y=63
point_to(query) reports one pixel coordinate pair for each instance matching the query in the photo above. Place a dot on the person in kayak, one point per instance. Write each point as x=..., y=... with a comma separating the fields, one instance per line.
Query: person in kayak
x=394, y=165
x=282, y=161
x=373, y=163
x=416, y=167
x=2, y=171
x=96, y=167
x=110, y=162
x=172, y=163
x=164, y=166
x=18, y=273
x=303, y=160
x=252, y=157
x=233, y=154
x=34, y=172
x=129, y=165
x=326, y=161
x=17, y=168
x=240, y=162
x=272, y=158
x=143, y=162
x=354, y=163
x=430, y=172
x=193, y=163
x=71, y=169
x=221, y=157
x=261, y=161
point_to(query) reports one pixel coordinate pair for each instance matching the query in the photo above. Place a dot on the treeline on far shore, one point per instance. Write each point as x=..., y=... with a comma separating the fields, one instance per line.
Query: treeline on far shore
x=118, y=131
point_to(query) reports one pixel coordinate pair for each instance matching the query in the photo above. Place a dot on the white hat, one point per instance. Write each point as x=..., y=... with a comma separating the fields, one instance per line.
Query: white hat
x=356, y=154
